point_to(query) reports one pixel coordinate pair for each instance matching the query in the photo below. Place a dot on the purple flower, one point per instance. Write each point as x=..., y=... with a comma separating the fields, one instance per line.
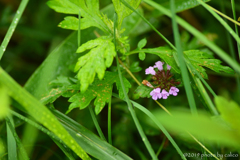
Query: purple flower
x=156, y=94
x=165, y=94
x=159, y=65
x=150, y=70
x=173, y=91
x=168, y=67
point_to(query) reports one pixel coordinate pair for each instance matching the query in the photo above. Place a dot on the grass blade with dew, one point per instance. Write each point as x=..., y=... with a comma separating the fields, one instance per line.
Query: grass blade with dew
x=12, y=27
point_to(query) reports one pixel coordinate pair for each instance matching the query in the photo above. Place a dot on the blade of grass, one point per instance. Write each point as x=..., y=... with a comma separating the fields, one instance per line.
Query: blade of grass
x=11, y=142
x=21, y=152
x=133, y=114
x=40, y=112
x=109, y=121
x=238, y=45
x=79, y=28
x=228, y=28
x=181, y=60
x=50, y=134
x=12, y=27
x=154, y=119
x=130, y=7
x=94, y=118
x=225, y=57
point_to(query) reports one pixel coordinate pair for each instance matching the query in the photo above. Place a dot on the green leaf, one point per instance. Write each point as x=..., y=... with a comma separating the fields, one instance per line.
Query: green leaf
x=89, y=11
x=201, y=126
x=142, y=43
x=72, y=23
x=122, y=11
x=230, y=112
x=200, y=59
x=164, y=53
x=95, y=61
x=4, y=102
x=141, y=56
x=62, y=87
x=101, y=90
x=142, y=91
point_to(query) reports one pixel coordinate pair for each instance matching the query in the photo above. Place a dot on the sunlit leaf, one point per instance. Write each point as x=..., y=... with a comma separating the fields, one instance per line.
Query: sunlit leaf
x=122, y=11
x=95, y=61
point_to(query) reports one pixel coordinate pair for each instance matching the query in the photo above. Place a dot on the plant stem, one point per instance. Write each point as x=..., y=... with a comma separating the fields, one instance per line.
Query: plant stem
x=183, y=67
x=109, y=122
x=94, y=118
x=12, y=27
x=130, y=107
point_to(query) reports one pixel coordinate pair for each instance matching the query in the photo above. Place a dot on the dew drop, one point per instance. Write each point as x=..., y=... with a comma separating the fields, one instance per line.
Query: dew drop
x=143, y=139
x=79, y=135
x=18, y=12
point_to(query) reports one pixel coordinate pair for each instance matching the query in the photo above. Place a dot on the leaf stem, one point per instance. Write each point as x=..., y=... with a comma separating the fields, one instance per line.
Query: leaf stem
x=130, y=107
x=12, y=27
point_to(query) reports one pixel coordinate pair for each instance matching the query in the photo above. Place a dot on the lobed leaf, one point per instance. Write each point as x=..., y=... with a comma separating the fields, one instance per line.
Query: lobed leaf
x=95, y=61
x=89, y=10
x=164, y=53
x=101, y=90
x=62, y=87
x=200, y=59
x=123, y=11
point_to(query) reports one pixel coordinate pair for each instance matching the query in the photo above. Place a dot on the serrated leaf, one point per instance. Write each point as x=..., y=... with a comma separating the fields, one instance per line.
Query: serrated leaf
x=201, y=126
x=63, y=87
x=142, y=43
x=142, y=56
x=72, y=23
x=95, y=61
x=164, y=53
x=89, y=11
x=142, y=91
x=201, y=59
x=230, y=112
x=122, y=11
x=101, y=90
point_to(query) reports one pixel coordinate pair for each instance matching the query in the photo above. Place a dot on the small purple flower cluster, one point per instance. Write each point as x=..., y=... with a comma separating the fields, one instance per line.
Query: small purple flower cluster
x=163, y=80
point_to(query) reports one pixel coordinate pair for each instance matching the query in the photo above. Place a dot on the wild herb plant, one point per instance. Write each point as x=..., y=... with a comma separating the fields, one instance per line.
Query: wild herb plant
x=100, y=66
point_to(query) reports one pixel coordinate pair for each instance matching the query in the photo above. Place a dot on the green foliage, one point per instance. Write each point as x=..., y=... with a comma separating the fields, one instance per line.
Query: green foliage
x=95, y=61
x=62, y=86
x=230, y=112
x=89, y=10
x=4, y=102
x=101, y=90
x=142, y=43
x=122, y=11
x=165, y=54
x=201, y=126
x=198, y=59
x=142, y=91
